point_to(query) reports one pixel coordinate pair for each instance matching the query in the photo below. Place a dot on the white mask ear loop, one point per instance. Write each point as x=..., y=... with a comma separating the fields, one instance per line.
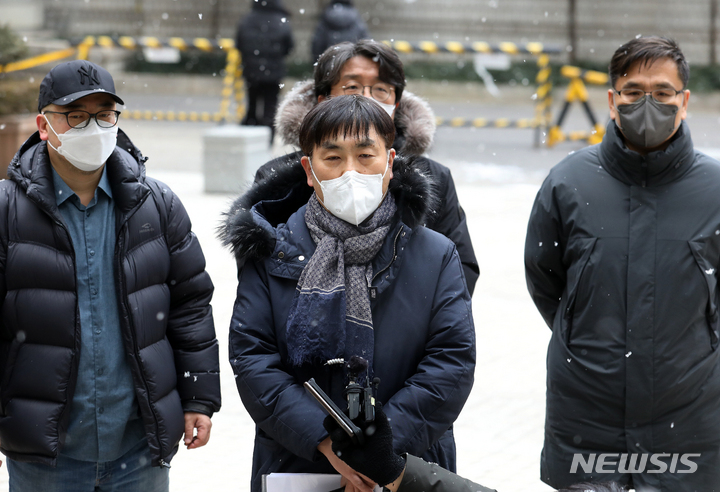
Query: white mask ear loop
x=387, y=163
x=322, y=202
x=312, y=170
x=53, y=130
x=387, y=166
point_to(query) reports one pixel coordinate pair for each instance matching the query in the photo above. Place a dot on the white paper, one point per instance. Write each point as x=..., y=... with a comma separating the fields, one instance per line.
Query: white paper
x=303, y=482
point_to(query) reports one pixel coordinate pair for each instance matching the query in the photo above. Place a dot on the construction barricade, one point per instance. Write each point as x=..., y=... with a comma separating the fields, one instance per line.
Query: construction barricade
x=543, y=94
x=577, y=92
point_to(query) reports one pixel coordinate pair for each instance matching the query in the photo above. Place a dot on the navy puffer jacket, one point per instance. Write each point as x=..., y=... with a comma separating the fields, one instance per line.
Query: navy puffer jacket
x=163, y=296
x=424, y=349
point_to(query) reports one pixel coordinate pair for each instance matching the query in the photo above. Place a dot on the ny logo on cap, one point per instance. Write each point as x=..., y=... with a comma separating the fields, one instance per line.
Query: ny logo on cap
x=91, y=74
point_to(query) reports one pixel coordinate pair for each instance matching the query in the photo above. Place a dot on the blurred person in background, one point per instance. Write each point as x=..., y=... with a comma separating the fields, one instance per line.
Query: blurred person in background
x=339, y=22
x=264, y=38
x=107, y=347
x=374, y=70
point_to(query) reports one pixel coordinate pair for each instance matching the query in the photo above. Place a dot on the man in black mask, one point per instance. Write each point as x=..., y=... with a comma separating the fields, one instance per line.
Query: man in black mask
x=621, y=257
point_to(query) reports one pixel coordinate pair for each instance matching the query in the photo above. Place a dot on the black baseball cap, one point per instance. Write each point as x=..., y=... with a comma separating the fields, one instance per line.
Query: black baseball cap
x=72, y=80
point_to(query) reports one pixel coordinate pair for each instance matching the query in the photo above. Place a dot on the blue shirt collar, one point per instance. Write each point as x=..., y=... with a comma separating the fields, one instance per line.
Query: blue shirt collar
x=63, y=191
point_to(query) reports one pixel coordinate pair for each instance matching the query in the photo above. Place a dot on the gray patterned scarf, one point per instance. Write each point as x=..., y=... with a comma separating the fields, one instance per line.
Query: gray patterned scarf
x=330, y=316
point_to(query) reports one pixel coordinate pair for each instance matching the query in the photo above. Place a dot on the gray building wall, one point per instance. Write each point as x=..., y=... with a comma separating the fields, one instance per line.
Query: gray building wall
x=602, y=25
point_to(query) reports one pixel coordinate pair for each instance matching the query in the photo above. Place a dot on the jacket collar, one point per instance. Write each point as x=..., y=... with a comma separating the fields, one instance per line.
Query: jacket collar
x=294, y=246
x=414, y=119
x=255, y=219
x=654, y=169
x=32, y=171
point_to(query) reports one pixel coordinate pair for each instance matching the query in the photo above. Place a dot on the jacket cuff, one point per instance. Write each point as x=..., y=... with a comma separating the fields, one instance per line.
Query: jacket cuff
x=197, y=407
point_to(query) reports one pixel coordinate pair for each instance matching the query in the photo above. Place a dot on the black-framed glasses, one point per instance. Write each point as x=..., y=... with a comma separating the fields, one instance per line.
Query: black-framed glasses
x=379, y=92
x=663, y=96
x=81, y=119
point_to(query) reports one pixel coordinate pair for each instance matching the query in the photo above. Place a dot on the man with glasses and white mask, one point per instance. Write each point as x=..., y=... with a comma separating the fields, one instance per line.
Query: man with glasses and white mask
x=107, y=344
x=621, y=257
x=351, y=272
x=372, y=69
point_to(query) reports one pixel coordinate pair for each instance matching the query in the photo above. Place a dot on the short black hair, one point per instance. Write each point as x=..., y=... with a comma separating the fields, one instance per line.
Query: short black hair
x=352, y=115
x=647, y=50
x=328, y=66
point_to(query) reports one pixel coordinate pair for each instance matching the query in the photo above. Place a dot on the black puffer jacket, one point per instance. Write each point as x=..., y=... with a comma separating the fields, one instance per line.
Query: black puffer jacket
x=163, y=296
x=415, y=129
x=264, y=38
x=622, y=259
x=340, y=21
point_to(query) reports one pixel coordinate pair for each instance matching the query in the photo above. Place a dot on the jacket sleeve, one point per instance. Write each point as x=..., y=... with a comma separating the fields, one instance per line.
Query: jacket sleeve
x=277, y=403
x=190, y=327
x=421, y=476
x=544, y=269
x=451, y=222
x=432, y=398
x=4, y=210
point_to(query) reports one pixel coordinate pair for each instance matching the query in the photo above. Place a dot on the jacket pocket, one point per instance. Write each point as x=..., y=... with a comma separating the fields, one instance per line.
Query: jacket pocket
x=575, y=276
x=709, y=273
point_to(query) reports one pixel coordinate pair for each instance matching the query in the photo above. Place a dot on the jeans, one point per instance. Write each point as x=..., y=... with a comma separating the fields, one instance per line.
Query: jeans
x=131, y=472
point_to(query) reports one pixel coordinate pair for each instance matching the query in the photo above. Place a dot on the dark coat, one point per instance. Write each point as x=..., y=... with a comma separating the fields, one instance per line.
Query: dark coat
x=340, y=21
x=415, y=127
x=264, y=38
x=424, y=332
x=421, y=476
x=621, y=259
x=159, y=269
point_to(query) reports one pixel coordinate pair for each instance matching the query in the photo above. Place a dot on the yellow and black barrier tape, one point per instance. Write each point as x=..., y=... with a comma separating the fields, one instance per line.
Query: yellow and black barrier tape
x=193, y=116
x=209, y=44
x=131, y=43
x=485, y=123
x=432, y=47
x=543, y=96
x=589, y=76
x=37, y=60
x=592, y=137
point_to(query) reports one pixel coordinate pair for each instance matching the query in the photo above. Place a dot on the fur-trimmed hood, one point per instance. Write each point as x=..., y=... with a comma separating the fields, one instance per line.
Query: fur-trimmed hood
x=414, y=119
x=249, y=225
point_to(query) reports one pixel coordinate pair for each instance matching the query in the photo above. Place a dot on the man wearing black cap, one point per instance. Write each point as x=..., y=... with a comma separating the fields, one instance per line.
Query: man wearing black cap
x=107, y=345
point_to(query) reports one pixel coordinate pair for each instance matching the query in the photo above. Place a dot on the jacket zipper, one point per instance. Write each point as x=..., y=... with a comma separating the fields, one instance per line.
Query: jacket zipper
x=78, y=328
x=373, y=293
x=123, y=297
x=645, y=172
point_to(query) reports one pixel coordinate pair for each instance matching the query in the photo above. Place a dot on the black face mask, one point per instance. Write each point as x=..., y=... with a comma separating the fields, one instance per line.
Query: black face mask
x=646, y=123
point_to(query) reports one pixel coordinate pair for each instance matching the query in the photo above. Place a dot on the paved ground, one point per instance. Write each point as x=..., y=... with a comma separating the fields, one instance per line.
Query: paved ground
x=499, y=434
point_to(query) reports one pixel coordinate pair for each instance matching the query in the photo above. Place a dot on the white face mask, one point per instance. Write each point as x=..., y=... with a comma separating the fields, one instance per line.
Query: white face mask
x=389, y=108
x=353, y=197
x=87, y=148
